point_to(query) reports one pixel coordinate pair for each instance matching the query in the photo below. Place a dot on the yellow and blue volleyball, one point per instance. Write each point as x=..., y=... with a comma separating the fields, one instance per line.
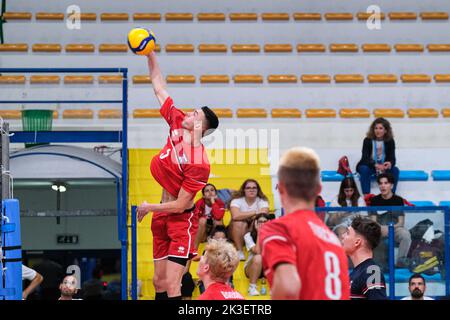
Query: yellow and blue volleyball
x=141, y=41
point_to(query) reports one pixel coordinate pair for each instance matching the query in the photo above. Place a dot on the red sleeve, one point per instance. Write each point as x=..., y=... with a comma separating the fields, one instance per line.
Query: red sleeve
x=200, y=208
x=218, y=209
x=195, y=178
x=170, y=112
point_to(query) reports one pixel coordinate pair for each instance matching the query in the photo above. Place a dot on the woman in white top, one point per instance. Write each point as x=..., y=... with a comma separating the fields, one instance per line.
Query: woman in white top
x=245, y=205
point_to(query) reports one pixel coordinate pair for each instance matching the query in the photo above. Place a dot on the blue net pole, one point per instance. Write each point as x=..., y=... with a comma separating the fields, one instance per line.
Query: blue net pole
x=133, y=254
x=447, y=250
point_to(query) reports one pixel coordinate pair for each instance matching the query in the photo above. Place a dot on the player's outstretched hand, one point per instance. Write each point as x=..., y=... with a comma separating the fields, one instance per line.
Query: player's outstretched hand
x=142, y=211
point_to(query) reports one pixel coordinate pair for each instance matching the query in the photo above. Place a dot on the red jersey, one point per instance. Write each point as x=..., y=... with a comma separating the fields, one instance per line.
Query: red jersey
x=179, y=164
x=220, y=291
x=216, y=211
x=303, y=240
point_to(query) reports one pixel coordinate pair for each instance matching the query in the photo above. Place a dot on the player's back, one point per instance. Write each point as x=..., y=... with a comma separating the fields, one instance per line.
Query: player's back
x=302, y=239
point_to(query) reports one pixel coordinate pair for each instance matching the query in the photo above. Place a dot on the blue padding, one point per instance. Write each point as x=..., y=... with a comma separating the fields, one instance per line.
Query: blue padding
x=331, y=176
x=444, y=203
x=423, y=203
x=7, y=292
x=8, y=227
x=413, y=175
x=403, y=274
x=441, y=175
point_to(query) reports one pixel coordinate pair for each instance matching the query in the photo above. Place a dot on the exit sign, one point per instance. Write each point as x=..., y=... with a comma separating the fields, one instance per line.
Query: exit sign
x=67, y=239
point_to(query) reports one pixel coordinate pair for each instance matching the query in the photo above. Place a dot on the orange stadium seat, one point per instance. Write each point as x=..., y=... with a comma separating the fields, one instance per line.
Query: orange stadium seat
x=348, y=78
x=248, y=78
x=242, y=16
x=415, y=78
x=438, y=47
x=307, y=16
x=382, y=78
x=338, y=16
x=211, y=17
x=365, y=15
x=146, y=16
x=434, y=15
x=343, y=47
x=118, y=16
x=49, y=16
x=212, y=48
x=354, y=113
x=388, y=113
x=46, y=47
x=78, y=114
x=315, y=78
x=402, y=15
x=320, y=113
x=272, y=48
x=179, y=48
x=214, y=78
x=146, y=113
x=311, y=47
x=245, y=48
x=141, y=79
x=79, y=79
x=223, y=112
x=446, y=112
x=271, y=16
x=112, y=47
x=408, y=47
x=172, y=16
x=423, y=113
x=251, y=113
x=17, y=16
x=75, y=47
x=442, y=77
x=55, y=114
x=87, y=16
x=282, y=78
x=11, y=114
x=10, y=79
x=376, y=47
x=13, y=47
x=180, y=79
x=45, y=79
x=286, y=113
x=107, y=79
x=110, y=114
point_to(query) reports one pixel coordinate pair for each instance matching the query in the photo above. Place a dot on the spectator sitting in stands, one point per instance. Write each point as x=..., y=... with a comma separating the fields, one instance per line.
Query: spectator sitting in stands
x=245, y=205
x=388, y=198
x=378, y=154
x=68, y=288
x=93, y=288
x=33, y=276
x=417, y=287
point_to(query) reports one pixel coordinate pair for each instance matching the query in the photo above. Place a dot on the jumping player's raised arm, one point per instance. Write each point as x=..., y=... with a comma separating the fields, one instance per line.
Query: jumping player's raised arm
x=158, y=82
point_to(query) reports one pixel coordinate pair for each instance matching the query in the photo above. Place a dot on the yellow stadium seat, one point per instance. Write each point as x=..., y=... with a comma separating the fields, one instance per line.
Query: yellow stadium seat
x=245, y=48
x=320, y=113
x=365, y=15
x=212, y=48
x=402, y=15
x=11, y=114
x=111, y=47
x=46, y=47
x=107, y=79
x=17, y=16
x=343, y=47
x=146, y=113
x=408, y=47
x=251, y=113
x=211, y=17
x=275, y=16
x=49, y=16
x=311, y=47
x=242, y=16
x=44, y=79
x=248, y=78
x=446, y=112
x=442, y=77
x=434, y=15
x=55, y=114
x=315, y=78
x=12, y=79
x=223, y=112
x=348, y=78
x=277, y=48
x=354, y=113
x=382, y=78
x=214, y=78
x=338, y=16
x=78, y=114
x=73, y=47
x=423, y=113
x=388, y=113
x=438, y=47
x=179, y=48
x=13, y=47
x=110, y=114
x=87, y=16
x=307, y=16
x=140, y=79
x=146, y=16
x=286, y=113
x=171, y=16
x=415, y=78
x=180, y=79
x=282, y=78
x=79, y=79
x=376, y=47
x=119, y=16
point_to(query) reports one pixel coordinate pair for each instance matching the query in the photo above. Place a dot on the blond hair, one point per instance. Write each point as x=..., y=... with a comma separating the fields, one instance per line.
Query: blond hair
x=222, y=258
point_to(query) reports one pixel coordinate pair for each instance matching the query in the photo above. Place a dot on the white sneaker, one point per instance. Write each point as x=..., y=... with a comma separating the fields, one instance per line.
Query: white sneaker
x=252, y=291
x=241, y=255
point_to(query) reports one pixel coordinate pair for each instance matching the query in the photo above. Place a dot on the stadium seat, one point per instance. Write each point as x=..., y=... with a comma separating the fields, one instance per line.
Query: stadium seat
x=320, y=113
x=434, y=15
x=251, y=113
x=445, y=112
x=13, y=47
x=141, y=79
x=413, y=175
x=277, y=48
x=49, y=16
x=180, y=78
x=423, y=113
x=243, y=16
x=87, y=16
x=425, y=203
x=415, y=78
x=331, y=176
x=212, y=48
x=286, y=113
x=444, y=203
x=111, y=47
x=376, y=47
x=382, y=78
x=248, y=78
x=282, y=78
x=275, y=16
x=79, y=79
x=364, y=15
x=122, y=16
x=179, y=48
x=17, y=16
x=146, y=113
x=442, y=78
x=348, y=78
x=214, y=78
x=45, y=79
x=315, y=78
x=441, y=175
x=110, y=114
x=343, y=47
x=438, y=47
x=12, y=79
x=185, y=16
x=108, y=79
x=11, y=114
x=245, y=48
x=78, y=114
x=408, y=47
x=388, y=113
x=354, y=113
x=307, y=16
x=46, y=47
x=211, y=17
x=146, y=16
x=80, y=47
x=223, y=112
x=402, y=15
x=311, y=47
x=338, y=16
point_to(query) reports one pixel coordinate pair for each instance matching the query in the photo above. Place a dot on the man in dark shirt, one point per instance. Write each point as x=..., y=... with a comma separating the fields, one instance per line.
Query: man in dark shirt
x=388, y=198
x=367, y=279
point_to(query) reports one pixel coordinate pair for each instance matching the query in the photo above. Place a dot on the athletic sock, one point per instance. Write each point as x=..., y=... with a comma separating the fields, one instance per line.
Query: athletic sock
x=161, y=295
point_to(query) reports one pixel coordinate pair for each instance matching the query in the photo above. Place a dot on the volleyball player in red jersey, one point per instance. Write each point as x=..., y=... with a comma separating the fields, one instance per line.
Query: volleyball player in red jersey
x=302, y=258
x=182, y=169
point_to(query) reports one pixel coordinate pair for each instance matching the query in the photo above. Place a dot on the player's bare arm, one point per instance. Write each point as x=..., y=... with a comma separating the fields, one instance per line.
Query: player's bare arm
x=286, y=282
x=158, y=82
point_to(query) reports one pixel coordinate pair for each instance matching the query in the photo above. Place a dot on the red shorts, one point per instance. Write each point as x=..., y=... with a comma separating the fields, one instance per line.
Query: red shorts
x=174, y=235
